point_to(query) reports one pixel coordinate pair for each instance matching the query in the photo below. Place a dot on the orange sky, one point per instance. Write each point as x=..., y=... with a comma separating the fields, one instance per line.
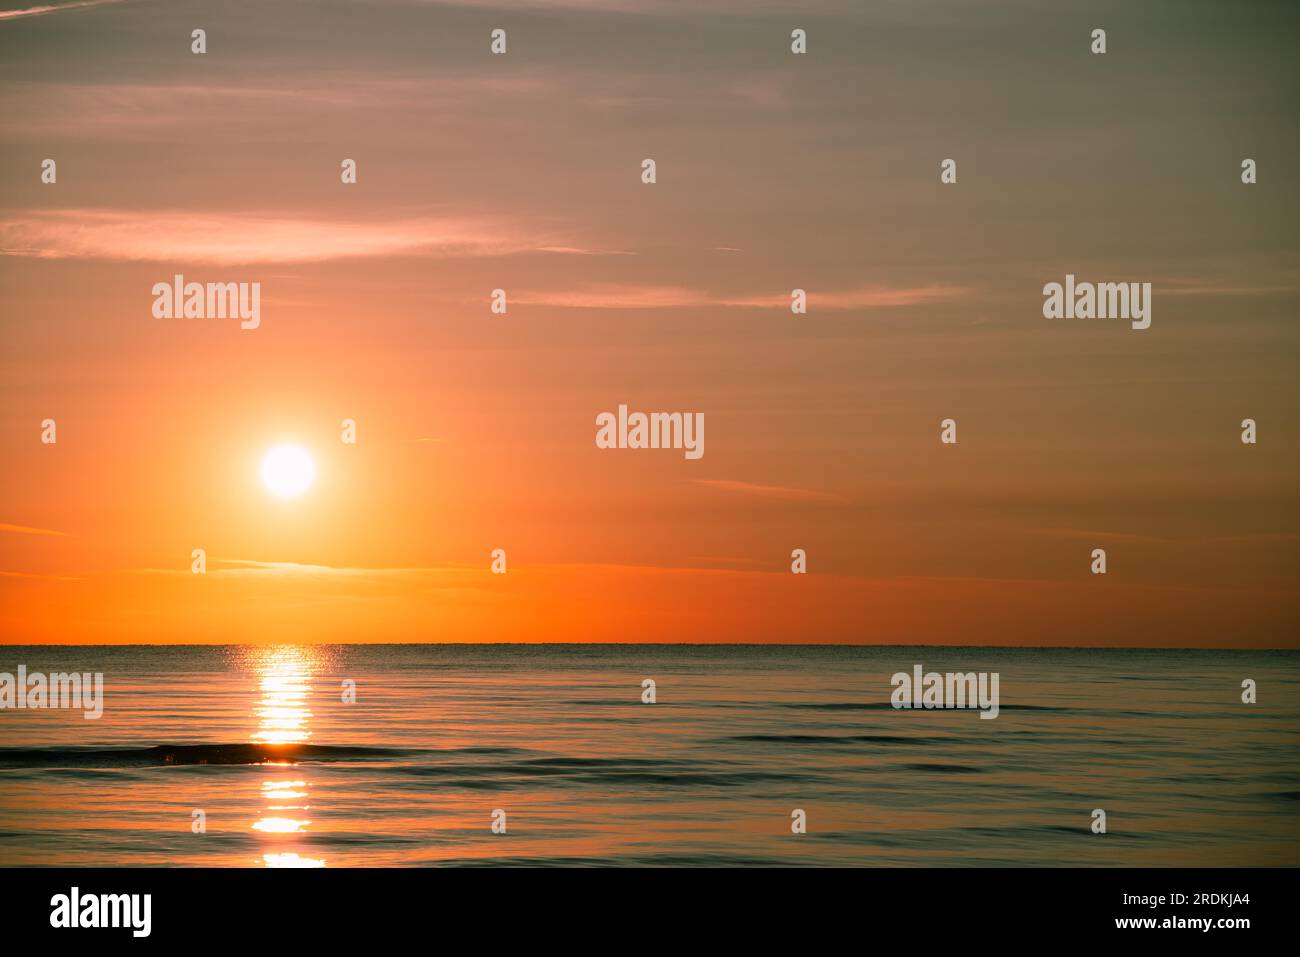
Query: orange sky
x=522, y=172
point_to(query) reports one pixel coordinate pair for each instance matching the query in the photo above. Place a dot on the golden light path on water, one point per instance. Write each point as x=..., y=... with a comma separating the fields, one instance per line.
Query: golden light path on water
x=284, y=717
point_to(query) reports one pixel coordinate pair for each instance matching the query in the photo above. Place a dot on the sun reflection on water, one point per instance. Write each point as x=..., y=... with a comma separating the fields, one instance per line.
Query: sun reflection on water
x=283, y=718
x=291, y=860
x=283, y=713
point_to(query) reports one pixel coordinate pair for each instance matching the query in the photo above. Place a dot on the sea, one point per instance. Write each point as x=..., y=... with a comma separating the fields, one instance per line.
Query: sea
x=650, y=755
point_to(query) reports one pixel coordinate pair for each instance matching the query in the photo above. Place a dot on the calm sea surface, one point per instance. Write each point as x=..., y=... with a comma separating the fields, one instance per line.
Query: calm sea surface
x=286, y=773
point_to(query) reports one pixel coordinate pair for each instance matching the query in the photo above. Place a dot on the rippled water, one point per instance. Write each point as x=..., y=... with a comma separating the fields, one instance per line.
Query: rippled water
x=441, y=736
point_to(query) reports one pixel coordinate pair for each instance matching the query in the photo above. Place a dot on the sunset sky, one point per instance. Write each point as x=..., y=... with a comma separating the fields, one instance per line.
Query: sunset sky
x=775, y=171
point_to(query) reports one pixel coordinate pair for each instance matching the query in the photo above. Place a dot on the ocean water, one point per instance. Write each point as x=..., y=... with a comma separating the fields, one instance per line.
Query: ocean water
x=440, y=737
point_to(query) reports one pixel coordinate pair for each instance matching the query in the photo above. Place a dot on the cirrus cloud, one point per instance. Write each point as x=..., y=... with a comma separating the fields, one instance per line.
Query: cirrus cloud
x=225, y=238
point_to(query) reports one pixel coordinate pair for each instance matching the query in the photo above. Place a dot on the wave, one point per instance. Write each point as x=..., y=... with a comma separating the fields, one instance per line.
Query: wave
x=888, y=706
x=630, y=772
x=942, y=768
x=184, y=754
x=846, y=739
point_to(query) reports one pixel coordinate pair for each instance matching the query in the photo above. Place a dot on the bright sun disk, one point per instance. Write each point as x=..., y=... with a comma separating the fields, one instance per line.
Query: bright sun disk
x=288, y=470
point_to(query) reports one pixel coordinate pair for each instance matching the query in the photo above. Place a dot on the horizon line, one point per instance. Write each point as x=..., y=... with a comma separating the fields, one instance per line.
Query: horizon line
x=638, y=644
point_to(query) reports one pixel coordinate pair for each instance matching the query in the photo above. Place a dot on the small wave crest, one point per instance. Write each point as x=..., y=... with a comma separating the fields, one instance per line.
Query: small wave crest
x=184, y=754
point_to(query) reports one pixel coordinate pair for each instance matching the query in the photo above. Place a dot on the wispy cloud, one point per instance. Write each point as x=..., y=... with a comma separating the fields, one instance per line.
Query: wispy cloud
x=1100, y=537
x=223, y=238
x=617, y=296
x=862, y=297
x=675, y=8
x=43, y=9
x=148, y=112
x=578, y=251
x=1195, y=287
x=236, y=566
x=725, y=560
x=57, y=578
x=245, y=567
x=633, y=296
x=26, y=530
x=770, y=491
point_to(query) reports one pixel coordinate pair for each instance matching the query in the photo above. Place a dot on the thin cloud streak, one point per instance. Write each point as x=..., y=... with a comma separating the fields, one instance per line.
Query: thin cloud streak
x=1192, y=287
x=56, y=578
x=769, y=491
x=54, y=8
x=26, y=530
x=646, y=8
x=631, y=296
x=237, y=238
x=864, y=297
x=251, y=567
x=150, y=112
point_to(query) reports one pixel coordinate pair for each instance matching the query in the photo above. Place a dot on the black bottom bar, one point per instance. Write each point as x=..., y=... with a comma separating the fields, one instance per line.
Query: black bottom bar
x=645, y=908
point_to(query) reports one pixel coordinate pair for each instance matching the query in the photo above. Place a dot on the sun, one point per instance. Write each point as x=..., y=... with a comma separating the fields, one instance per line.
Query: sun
x=288, y=470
